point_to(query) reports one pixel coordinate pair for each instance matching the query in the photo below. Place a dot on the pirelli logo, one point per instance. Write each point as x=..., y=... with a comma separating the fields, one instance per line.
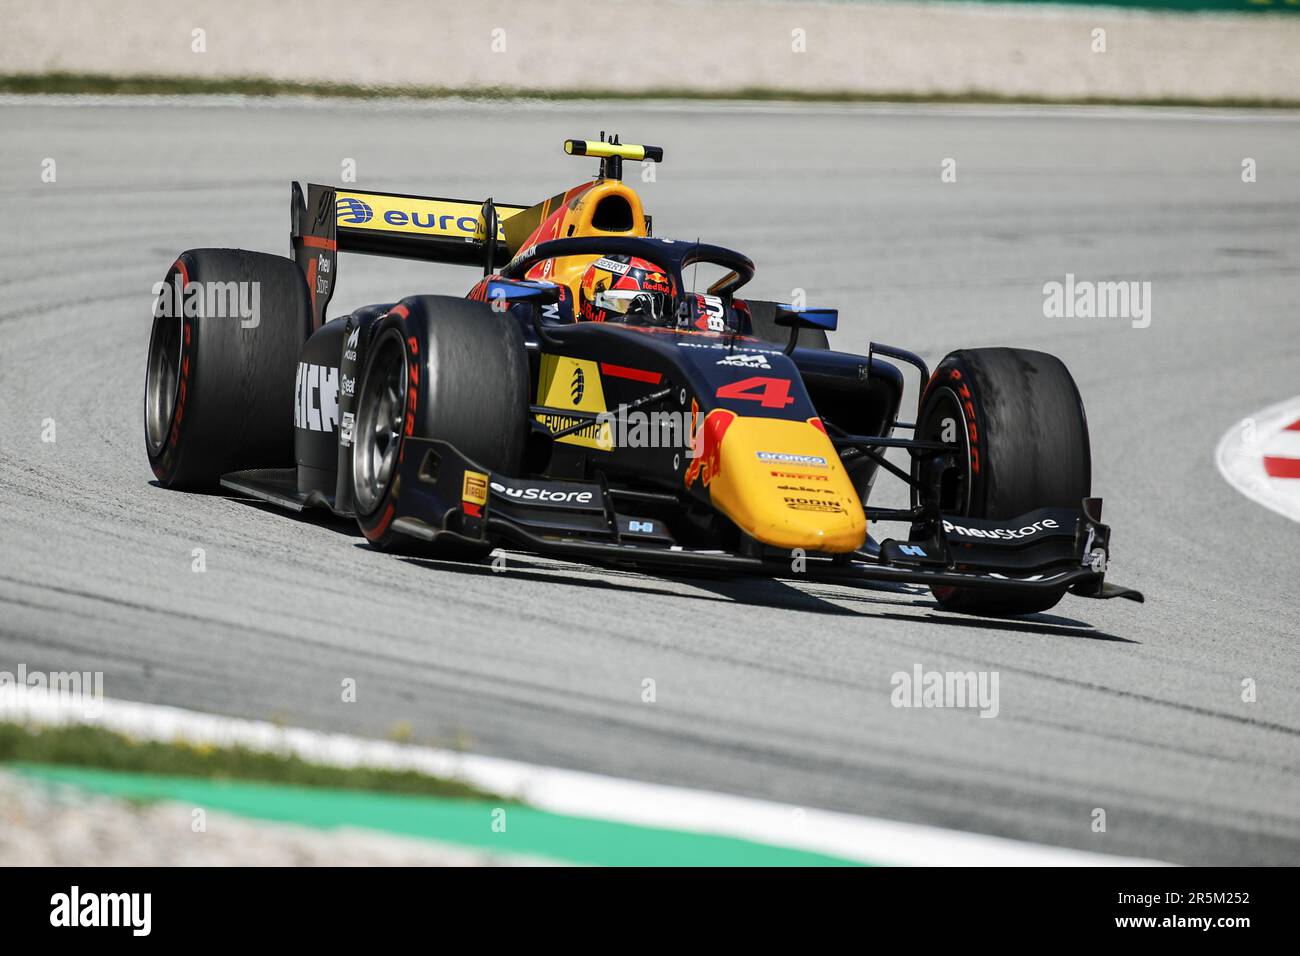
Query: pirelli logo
x=473, y=493
x=475, y=488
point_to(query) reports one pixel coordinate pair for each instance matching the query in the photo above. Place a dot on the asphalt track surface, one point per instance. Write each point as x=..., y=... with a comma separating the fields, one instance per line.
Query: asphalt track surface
x=775, y=690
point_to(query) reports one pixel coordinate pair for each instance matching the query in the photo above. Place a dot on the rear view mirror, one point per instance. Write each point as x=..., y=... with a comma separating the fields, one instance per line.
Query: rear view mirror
x=796, y=319
x=825, y=319
x=532, y=291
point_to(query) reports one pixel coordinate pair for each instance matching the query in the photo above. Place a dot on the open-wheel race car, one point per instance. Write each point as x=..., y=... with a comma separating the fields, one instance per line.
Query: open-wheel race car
x=584, y=400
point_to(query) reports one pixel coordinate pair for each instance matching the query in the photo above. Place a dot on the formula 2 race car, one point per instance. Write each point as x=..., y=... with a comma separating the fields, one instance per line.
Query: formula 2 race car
x=584, y=401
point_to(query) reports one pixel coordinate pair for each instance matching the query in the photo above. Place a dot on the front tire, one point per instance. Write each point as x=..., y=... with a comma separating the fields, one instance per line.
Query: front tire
x=444, y=368
x=1020, y=419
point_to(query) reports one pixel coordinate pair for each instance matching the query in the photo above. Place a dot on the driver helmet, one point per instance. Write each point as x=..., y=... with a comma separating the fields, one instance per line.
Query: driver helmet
x=622, y=288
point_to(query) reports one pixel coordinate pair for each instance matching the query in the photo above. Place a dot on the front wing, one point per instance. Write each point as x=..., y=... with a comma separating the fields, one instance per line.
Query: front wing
x=443, y=494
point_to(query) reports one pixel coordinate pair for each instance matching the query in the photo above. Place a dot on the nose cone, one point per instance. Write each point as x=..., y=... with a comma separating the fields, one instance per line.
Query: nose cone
x=780, y=482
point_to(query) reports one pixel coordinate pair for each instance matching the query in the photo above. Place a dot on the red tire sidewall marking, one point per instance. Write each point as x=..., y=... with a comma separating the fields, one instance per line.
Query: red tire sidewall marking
x=408, y=426
x=165, y=463
x=956, y=383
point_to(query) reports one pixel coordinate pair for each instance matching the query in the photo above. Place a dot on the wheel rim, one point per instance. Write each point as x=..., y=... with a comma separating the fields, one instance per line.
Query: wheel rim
x=381, y=415
x=162, y=380
x=955, y=492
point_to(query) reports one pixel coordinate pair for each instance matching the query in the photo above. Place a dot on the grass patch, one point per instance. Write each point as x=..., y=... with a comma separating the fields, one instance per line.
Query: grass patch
x=97, y=83
x=80, y=745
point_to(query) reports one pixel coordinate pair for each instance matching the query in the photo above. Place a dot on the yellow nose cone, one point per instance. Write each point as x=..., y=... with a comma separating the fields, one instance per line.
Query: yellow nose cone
x=780, y=481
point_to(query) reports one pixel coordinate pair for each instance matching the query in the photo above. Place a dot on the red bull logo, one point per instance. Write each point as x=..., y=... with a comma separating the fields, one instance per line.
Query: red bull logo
x=706, y=444
x=656, y=282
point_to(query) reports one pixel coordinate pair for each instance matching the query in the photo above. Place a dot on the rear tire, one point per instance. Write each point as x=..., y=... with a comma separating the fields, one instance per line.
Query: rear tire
x=219, y=390
x=763, y=316
x=470, y=388
x=1021, y=420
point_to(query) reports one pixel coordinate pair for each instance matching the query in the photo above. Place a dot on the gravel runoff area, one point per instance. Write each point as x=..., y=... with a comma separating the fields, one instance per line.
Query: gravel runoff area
x=43, y=824
x=946, y=49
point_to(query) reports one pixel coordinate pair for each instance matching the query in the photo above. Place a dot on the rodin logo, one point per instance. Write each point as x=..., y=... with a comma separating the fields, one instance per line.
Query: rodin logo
x=1001, y=534
x=133, y=910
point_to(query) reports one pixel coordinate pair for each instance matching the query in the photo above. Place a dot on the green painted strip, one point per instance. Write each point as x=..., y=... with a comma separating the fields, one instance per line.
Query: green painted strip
x=529, y=831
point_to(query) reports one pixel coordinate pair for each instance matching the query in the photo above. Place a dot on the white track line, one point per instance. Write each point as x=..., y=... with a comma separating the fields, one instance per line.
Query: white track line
x=573, y=793
x=1242, y=449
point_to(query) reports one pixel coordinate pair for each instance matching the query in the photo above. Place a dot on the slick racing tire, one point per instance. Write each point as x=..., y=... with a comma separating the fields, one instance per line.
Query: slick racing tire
x=763, y=315
x=219, y=382
x=1020, y=421
x=444, y=368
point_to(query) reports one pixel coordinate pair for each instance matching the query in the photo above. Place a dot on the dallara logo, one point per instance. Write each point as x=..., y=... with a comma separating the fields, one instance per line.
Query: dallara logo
x=577, y=386
x=354, y=212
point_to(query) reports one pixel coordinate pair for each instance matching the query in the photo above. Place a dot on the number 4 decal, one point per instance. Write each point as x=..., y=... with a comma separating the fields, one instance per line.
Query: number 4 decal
x=768, y=392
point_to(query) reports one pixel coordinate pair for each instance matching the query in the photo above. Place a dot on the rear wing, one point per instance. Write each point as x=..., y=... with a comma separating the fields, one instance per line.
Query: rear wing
x=330, y=220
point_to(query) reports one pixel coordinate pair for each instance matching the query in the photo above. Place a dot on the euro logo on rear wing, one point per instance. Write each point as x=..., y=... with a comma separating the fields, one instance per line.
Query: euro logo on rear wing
x=330, y=220
x=361, y=216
